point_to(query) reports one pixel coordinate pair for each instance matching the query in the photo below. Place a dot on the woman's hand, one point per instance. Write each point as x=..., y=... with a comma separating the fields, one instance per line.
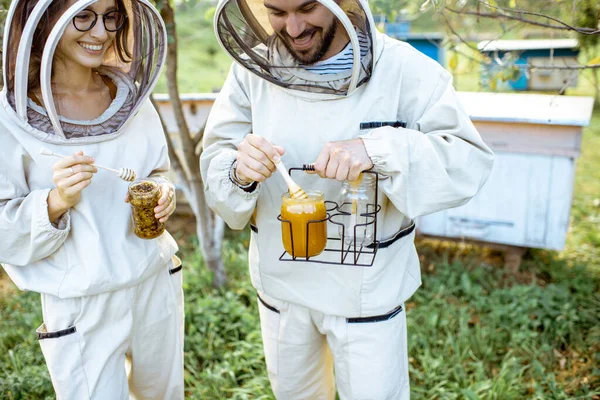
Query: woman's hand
x=166, y=203
x=71, y=175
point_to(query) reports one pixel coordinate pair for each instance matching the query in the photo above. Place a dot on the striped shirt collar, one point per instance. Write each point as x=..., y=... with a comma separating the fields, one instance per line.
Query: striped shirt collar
x=340, y=62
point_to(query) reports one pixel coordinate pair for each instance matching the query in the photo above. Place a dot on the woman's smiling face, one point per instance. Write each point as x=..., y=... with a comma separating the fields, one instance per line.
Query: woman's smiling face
x=87, y=48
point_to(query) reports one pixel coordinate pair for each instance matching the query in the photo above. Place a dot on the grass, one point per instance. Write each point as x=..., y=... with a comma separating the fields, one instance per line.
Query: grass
x=474, y=332
x=583, y=242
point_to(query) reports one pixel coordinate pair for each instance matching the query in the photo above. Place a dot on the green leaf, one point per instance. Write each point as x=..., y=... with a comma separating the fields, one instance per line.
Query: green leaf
x=594, y=61
x=453, y=62
x=210, y=14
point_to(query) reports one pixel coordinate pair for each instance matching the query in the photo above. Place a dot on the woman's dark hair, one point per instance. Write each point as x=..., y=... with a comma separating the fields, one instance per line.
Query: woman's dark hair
x=47, y=22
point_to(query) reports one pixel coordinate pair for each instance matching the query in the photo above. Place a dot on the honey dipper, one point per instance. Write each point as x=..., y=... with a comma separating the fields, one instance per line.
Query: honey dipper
x=127, y=174
x=296, y=191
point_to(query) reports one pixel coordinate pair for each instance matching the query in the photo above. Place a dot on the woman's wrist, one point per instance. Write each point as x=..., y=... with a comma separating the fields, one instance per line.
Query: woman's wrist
x=56, y=206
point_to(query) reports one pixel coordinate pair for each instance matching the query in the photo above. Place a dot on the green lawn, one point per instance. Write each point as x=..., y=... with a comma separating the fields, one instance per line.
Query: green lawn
x=474, y=332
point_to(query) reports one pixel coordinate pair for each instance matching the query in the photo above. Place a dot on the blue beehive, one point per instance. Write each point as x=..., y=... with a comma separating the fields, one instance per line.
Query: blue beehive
x=429, y=43
x=526, y=55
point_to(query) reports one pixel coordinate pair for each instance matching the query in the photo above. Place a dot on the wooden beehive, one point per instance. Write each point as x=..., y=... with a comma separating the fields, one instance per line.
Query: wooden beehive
x=526, y=201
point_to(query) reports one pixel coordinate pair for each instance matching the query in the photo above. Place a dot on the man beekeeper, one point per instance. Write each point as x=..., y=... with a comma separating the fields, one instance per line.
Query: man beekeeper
x=315, y=82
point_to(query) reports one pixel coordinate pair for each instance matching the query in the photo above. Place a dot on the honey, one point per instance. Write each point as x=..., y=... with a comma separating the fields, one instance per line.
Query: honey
x=143, y=197
x=301, y=217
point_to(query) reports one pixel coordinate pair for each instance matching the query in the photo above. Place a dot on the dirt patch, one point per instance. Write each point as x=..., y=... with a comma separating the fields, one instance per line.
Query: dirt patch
x=432, y=251
x=576, y=369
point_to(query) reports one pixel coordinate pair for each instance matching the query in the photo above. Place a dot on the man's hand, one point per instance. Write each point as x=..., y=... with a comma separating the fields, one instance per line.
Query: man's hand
x=343, y=160
x=255, y=159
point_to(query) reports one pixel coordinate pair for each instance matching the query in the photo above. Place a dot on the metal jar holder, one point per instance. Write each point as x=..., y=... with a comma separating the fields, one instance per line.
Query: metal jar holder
x=361, y=255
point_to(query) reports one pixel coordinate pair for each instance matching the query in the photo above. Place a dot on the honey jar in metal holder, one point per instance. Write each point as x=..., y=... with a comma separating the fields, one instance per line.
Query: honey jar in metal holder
x=304, y=232
x=352, y=225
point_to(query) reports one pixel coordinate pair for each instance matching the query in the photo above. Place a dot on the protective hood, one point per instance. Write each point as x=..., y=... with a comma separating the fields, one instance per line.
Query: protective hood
x=135, y=78
x=244, y=31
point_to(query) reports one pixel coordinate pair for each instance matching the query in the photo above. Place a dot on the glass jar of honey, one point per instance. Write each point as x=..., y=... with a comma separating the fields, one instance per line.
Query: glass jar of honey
x=304, y=224
x=143, y=197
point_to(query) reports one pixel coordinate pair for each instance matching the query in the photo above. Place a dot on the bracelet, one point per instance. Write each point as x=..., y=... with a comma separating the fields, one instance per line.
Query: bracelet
x=237, y=181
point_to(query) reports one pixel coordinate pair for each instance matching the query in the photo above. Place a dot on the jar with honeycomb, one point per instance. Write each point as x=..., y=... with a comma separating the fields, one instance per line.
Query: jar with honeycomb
x=143, y=197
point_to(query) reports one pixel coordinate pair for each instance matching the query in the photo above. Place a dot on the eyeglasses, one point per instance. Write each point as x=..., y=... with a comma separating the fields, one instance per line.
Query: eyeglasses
x=86, y=20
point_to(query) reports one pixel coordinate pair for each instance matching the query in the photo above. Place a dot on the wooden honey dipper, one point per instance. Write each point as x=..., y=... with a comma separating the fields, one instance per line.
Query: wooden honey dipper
x=127, y=174
x=295, y=190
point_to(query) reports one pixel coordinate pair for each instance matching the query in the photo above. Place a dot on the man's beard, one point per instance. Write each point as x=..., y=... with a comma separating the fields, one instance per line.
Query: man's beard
x=317, y=51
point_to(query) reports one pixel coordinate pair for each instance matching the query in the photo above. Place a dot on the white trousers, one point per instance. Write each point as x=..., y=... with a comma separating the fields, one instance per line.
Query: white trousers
x=303, y=348
x=117, y=345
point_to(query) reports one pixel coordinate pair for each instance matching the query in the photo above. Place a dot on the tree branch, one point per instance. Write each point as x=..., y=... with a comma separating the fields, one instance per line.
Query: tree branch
x=564, y=67
x=566, y=27
x=585, y=31
x=199, y=136
x=529, y=66
x=455, y=33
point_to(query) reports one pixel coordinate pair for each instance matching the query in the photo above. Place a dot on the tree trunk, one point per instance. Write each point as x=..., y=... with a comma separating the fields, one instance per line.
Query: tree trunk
x=212, y=243
x=209, y=227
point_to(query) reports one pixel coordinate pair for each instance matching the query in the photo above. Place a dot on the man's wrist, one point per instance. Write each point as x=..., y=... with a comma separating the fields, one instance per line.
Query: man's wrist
x=233, y=177
x=238, y=181
x=368, y=155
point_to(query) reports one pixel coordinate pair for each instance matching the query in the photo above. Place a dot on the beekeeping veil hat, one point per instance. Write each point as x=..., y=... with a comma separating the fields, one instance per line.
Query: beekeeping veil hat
x=146, y=42
x=244, y=31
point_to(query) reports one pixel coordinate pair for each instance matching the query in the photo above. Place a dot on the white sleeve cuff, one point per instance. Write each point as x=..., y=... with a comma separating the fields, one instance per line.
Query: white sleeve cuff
x=42, y=219
x=389, y=149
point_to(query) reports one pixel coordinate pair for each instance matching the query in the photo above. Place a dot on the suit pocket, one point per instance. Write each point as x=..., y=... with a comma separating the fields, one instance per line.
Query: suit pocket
x=176, y=277
x=270, y=318
x=62, y=351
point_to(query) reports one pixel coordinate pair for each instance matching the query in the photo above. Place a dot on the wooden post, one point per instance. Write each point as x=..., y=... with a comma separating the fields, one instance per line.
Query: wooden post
x=512, y=258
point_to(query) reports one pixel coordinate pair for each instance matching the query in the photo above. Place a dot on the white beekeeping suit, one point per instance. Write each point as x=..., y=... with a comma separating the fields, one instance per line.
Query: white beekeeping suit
x=108, y=297
x=310, y=311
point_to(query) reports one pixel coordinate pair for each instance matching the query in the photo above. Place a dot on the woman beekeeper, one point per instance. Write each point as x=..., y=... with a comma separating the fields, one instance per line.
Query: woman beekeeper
x=77, y=79
x=301, y=90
